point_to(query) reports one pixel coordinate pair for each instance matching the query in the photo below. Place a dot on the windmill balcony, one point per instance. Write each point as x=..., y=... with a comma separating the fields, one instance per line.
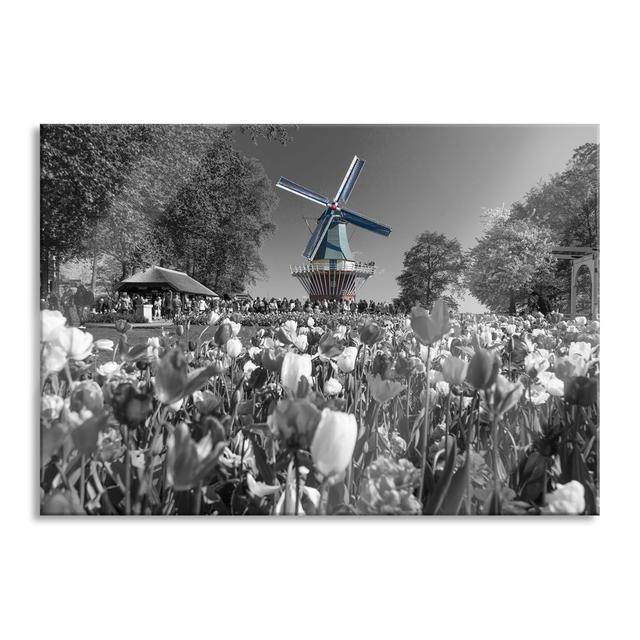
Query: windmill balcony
x=333, y=279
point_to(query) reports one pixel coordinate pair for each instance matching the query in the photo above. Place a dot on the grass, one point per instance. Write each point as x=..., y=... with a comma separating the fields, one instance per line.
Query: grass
x=138, y=335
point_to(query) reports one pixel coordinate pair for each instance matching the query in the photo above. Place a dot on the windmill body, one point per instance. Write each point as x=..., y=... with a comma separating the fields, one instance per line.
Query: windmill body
x=331, y=273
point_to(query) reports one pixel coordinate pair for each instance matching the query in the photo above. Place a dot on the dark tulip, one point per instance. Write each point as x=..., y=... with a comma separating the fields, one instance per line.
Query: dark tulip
x=456, y=343
x=581, y=391
x=404, y=366
x=223, y=334
x=192, y=345
x=381, y=365
x=258, y=378
x=86, y=395
x=122, y=326
x=129, y=406
x=272, y=360
x=180, y=330
x=483, y=369
x=370, y=333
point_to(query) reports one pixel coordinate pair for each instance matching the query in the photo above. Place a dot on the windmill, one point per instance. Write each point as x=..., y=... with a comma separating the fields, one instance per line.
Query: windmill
x=331, y=272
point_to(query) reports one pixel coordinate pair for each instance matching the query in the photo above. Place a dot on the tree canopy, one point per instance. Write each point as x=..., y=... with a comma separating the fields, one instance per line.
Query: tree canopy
x=432, y=269
x=178, y=195
x=219, y=219
x=568, y=204
x=510, y=260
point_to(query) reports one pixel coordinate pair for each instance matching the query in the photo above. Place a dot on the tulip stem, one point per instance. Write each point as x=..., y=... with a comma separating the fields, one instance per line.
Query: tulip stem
x=127, y=473
x=83, y=479
x=425, y=435
x=197, y=500
x=297, y=469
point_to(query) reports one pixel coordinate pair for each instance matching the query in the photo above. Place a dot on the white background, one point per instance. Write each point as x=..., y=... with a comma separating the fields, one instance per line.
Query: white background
x=471, y=62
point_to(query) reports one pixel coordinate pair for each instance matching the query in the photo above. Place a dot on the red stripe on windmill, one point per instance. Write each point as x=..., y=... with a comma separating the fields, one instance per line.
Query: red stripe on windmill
x=331, y=272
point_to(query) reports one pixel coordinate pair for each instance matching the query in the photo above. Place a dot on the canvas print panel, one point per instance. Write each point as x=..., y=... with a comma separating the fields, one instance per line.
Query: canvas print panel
x=319, y=320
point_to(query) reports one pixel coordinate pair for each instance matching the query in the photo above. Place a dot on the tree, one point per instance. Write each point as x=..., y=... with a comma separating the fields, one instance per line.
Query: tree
x=82, y=167
x=511, y=261
x=569, y=202
x=219, y=220
x=432, y=269
x=131, y=230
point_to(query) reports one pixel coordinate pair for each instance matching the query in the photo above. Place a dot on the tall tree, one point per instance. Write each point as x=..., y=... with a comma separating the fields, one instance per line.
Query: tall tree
x=129, y=231
x=510, y=261
x=432, y=269
x=219, y=220
x=568, y=204
x=82, y=167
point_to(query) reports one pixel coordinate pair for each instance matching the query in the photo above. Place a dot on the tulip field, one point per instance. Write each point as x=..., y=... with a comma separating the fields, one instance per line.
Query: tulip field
x=433, y=413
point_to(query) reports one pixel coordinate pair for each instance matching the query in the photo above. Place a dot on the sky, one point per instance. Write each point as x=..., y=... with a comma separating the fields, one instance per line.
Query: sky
x=416, y=178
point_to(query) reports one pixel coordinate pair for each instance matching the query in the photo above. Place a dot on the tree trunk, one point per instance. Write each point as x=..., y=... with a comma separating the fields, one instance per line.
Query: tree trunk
x=512, y=303
x=44, y=272
x=94, y=267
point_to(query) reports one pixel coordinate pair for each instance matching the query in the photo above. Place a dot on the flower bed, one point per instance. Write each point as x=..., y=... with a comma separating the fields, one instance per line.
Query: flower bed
x=324, y=414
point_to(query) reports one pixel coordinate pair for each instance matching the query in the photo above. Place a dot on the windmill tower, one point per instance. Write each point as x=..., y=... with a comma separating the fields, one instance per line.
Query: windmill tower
x=331, y=273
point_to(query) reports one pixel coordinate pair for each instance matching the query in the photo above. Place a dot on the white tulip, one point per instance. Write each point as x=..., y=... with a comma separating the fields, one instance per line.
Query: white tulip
x=332, y=387
x=233, y=347
x=301, y=342
x=580, y=349
x=567, y=499
x=51, y=406
x=249, y=367
x=53, y=358
x=551, y=383
x=442, y=388
x=290, y=326
x=52, y=321
x=346, y=361
x=75, y=343
x=108, y=369
x=294, y=367
x=333, y=442
x=104, y=344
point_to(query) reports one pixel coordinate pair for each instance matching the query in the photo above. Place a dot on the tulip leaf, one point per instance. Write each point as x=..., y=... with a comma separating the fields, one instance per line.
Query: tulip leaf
x=264, y=468
x=50, y=441
x=457, y=489
x=136, y=352
x=436, y=497
x=85, y=437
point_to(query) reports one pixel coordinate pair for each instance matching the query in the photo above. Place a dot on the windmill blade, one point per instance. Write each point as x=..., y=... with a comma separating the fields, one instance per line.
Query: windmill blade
x=349, y=180
x=364, y=222
x=292, y=187
x=318, y=235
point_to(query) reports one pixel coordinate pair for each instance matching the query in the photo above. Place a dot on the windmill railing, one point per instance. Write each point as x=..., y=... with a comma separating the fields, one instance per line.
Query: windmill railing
x=360, y=268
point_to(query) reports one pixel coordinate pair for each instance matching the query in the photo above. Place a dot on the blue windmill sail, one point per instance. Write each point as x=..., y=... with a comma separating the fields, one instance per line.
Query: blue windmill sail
x=329, y=239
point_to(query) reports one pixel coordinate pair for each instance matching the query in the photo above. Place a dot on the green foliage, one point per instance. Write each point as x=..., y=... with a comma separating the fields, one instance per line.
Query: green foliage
x=131, y=230
x=82, y=167
x=569, y=203
x=219, y=219
x=432, y=269
x=180, y=196
x=269, y=132
x=510, y=260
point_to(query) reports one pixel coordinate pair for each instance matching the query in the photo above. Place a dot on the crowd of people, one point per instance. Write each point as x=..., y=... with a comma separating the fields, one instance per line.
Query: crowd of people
x=79, y=304
x=293, y=305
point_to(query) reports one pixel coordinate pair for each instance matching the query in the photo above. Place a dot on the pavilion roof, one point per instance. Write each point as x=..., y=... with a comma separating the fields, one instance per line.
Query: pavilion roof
x=162, y=278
